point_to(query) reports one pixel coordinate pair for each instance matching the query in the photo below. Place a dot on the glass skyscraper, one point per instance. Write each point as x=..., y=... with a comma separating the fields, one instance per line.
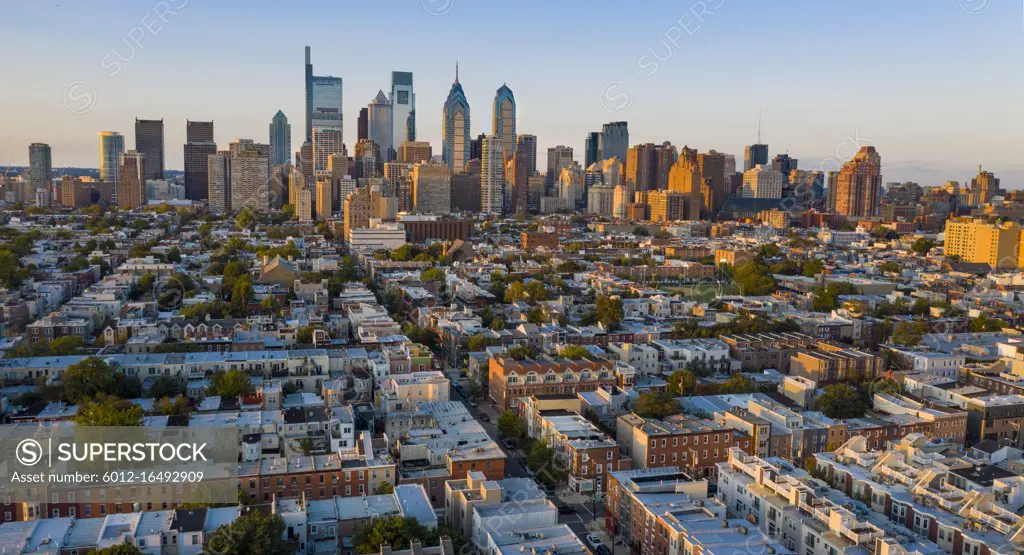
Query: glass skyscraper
x=504, y=120
x=280, y=139
x=455, y=127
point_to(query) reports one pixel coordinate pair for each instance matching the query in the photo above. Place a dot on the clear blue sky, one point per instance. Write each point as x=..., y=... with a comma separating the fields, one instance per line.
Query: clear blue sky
x=937, y=89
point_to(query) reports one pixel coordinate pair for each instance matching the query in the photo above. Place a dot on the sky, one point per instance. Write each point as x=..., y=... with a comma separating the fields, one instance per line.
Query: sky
x=934, y=85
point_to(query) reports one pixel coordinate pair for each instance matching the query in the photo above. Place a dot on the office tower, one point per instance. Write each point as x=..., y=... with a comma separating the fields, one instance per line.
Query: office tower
x=326, y=141
x=601, y=200
x=641, y=167
x=612, y=172
x=339, y=166
x=832, y=178
x=455, y=127
x=131, y=180
x=592, y=148
x=250, y=175
x=432, y=188
x=685, y=178
x=559, y=157
x=783, y=164
x=362, y=124
x=40, y=164
x=807, y=188
x=279, y=177
x=398, y=183
x=466, y=190
x=367, y=159
x=327, y=98
x=570, y=186
x=669, y=206
x=983, y=187
x=309, y=96
x=762, y=181
x=754, y=155
x=518, y=179
x=614, y=140
x=111, y=148
x=306, y=159
x=324, y=196
x=305, y=202
x=280, y=139
x=359, y=206
x=218, y=169
x=503, y=121
x=622, y=196
x=403, y=104
x=415, y=151
x=149, y=141
x=476, y=147
x=713, y=172
x=492, y=175
x=984, y=241
x=199, y=145
x=859, y=185
x=666, y=156
x=379, y=125
x=527, y=144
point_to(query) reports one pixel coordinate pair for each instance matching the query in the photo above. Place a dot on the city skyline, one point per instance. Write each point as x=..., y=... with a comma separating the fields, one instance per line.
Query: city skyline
x=902, y=110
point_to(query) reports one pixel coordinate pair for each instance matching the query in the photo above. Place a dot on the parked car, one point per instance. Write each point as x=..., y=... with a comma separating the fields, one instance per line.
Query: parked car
x=484, y=417
x=472, y=402
x=594, y=541
x=566, y=510
x=509, y=443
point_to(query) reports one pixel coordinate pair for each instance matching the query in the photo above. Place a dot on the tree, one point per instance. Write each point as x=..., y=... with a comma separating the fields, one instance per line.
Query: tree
x=542, y=461
x=169, y=407
x=477, y=343
x=67, y=345
x=569, y=267
x=737, y=383
x=609, y=311
x=252, y=533
x=537, y=291
x=754, y=278
x=511, y=425
x=841, y=401
x=384, y=488
x=395, y=531
x=770, y=250
x=107, y=410
x=909, y=332
x=93, y=376
x=656, y=405
x=889, y=267
x=174, y=255
x=245, y=219
x=535, y=315
x=166, y=386
x=574, y=352
x=922, y=246
x=682, y=383
x=641, y=231
x=885, y=386
x=521, y=352
x=984, y=323
x=270, y=305
x=432, y=274
x=240, y=294
x=812, y=267
x=827, y=298
x=515, y=292
x=119, y=549
x=229, y=384
x=305, y=335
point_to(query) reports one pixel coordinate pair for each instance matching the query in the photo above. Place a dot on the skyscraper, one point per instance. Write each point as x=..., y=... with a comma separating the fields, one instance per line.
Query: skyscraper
x=111, y=147
x=559, y=157
x=592, y=148
x=503, y=121
x=40, y=164
x=199, y=145
x=327, y=98
x=527, y=145
x=983, y=187
x=309, y=96
x=131, y=180
x=859, y=184
x=403, y=105
x=362, y=123
x=326, y=142
x=414, y=152
x=380, y=125
x=149, y=141
x=280, y=139
x=518, y=179
x=614, y=140
x=250, y=175
x=713, y=172
x=762, y=181
x=455, y=127
x=642, y=167
x=783, y=164
x=432, y=188
x=685, y=178
x=754, y=155
x=218, y=171
x=476, y=147
x=492, y=175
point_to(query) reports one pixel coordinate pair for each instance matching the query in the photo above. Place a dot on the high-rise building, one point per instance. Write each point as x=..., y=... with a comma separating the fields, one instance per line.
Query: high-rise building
x=503, y=121
x=476, y=147
x=250, y=175
x=527, y=144
x=668, y=206
x=280, y=139
x=379, y=125
x=327, y=102
x=326, y=142
x=612, y=172
x=309, y=96
x=762, y=182
x=592, y=148
x=305, y=201
x=685, y=178
x=149, y=141
x=455, y=127
x=218, y=170
x=712, y=171
x=666, y=156
x=413, y=152
x=559, y=157
x=324, y=199
x=859, y=185
x=403, y=106
x=614, y=140
x=199, y=145
x=783, y=164
x=131, y=180
x=432, y=188
x=111, y=148
x=832, y=178
x=983, y=187
x=359, y=206
x=985, y=241
x=492, y=175
x=754, y=155
x=306, y=159
x=339, y=166
x=367, y=159
x=398, y=183
x=641, y=167
x=518, y=180
x=570, y=186
x=40, y=165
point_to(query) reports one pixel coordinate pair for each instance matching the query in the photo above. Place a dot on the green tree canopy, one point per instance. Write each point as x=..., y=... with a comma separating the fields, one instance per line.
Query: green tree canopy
x=107, y=410
x=682, y=383
x=93, y=376
x=229, y=384
x=511, y=425
x=841, y=401
x=252, y=533
x=656, y=405
x=395, y=531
